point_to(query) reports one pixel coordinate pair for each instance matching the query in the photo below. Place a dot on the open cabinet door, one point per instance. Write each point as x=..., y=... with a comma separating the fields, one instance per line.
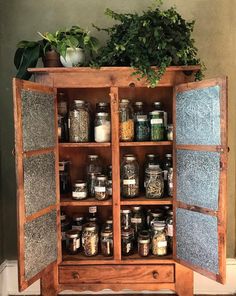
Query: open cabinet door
x=37, y=179
x=200, y=158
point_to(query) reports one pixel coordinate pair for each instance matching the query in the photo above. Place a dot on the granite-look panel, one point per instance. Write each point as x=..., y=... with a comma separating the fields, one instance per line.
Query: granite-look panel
x=37, y=120
x=198, y=116
x=39, y=182
x=40, y=243
x=198, y=177
x=197, y=239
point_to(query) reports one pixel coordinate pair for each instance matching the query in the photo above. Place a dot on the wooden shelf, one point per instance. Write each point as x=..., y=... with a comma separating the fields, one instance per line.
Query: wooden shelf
x=146, y=259
x=83, y=145
x=144, y=201
x=69, y=201
x=82, y=259
x=149, y=143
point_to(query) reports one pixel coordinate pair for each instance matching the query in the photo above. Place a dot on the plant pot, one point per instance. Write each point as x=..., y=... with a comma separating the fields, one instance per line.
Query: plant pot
x=74, y=57
x=51, y=59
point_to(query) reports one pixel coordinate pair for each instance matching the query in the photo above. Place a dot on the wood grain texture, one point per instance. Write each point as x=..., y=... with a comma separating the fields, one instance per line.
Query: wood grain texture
x=49, y=281
x=183, y=281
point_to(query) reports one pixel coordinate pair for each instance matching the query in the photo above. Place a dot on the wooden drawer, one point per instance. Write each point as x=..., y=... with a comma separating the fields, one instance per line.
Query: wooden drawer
x=116, y=274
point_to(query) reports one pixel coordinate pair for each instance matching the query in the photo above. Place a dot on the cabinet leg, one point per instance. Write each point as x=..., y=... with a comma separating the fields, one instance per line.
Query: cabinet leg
x=184, y=281
x=49, y=281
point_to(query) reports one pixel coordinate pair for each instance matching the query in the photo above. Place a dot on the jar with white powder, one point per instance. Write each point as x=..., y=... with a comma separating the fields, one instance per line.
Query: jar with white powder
x=102, y=127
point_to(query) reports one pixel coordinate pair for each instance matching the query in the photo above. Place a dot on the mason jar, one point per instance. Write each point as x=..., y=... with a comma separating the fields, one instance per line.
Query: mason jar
x=79, y=122
x=129, y=176
x=90, y=239
x=142, y=129
x=167, y=164
x=126, y=121
x=154, y=183
x=144, y=243
x=72, y=241
x=127, y=241
x=78, y=222
x=100, y=189
x=106, y=242
x=157, y=125
x=169, y=223
x=159, y=239
x=64, y=174
x=102, y=127
x=137, y=220
x=125, y=218
x=79, y=190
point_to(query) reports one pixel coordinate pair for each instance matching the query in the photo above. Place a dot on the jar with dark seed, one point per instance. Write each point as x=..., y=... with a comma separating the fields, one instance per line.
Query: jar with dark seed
x=73, y=241
x=129, y=176
x=143, y=243
x=142, y=129
x=127, y=241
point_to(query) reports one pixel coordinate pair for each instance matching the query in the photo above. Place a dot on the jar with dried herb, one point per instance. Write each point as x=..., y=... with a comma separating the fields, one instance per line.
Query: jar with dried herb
x=142, y=129
x=143, y=243
x=93, y=169
x=158, y=106
x=72, y=241
x=125, y=218
x=157, y=125
x=129, y=176
x=137, y=220
x=126, y=121
x=79, y=190
x=107, y=242
x=127, y=241
x=154, y=183
x=90, y=239
x=79, y=122
x=63, y=132
x=101, y=192
x=159, y=239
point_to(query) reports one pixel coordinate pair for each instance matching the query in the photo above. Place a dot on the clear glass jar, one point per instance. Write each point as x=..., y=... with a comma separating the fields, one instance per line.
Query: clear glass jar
x=107, y=242
x=78, y=222
x=94, y=164
x=157, y=106
x=126, y=121
x=90, y=239
x=170, y=132
x=167, y=164
x=79, y=190
x=151, y=161
x=138, y=109
x=92, y=216
x=137, y=219
x=127, y=241
x=159, y=239
x=109, y=223
x=103, y=107
x=79, y=122
x=155, y=215
x=157, y=125
x=72, y=241
x=144, y=243
x=170, y=182
x=129, y=176
x=65, y=226
x=169, y=223
x=101, y=192
x=102, y=127
x=142, y=128
x=64, y=174
x=125, y=218
x=154, y=183
x=109, y=188
x=62, y=109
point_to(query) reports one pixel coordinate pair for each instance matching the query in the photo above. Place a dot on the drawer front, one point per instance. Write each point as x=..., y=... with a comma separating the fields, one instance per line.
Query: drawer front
x=116, y=274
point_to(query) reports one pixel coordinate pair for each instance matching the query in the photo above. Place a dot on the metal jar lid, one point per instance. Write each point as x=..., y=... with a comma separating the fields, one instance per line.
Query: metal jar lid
x=101, y=178
x=78, y=218
x=169, y=155
x=107, y=232
x=90, y=227
x=80, y=183
x=137, y=208
x=129, y=157
x=139, y=103
x=72, y=234
x=125, y=211
x=158, y=225
x=102, y=104
x=102, y=114
x=92, y=156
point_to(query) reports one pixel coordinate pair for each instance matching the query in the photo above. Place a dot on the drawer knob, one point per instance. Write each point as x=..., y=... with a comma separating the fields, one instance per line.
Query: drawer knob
x=75, y=275
x=155, y=274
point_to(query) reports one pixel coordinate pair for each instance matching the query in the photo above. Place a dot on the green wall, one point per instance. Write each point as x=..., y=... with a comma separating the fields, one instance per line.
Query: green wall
x=215, y=37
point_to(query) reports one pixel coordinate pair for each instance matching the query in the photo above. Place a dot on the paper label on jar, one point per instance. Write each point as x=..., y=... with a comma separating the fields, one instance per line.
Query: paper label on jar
x=59, y=132
x=79, y=194
x=165, y=172
x=61, y=167
x=129, y=182
x=128, y=247
x=153, y=166
x=156, y=121
x=170, y=230
x=78, y=243
x=162, y=244
x=136, y=220
x=68, y=122
x=77, y=227
x=99, y=189
x=109, y=191
x=92, y=210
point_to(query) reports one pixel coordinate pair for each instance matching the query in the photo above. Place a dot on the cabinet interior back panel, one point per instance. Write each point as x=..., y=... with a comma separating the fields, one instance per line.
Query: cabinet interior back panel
x=37, y=120
x=197, y=239
x=39, y=182
x=198, y=175
x=198, y=116
x=40, y=243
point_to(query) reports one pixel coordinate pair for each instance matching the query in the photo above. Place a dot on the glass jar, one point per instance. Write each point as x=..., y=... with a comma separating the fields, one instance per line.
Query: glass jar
x=157, y=106
x=90, y=239
x=79, y=122
x=79, y=190
x=109, y=223
x=167, y=164
x=125, y=218
x=143, y=243
x=72, y=241
x=138, y=109
x=103, y=107
x=154, y=183
x=170, y=132
x=126, y=121
x=155, y=215
x=65, y=226
x=169, y=223
x=151, y=161
x=170, y=182
x=92, y=216
x=78, y=222
x=127, y=241
x=159, y=239
x=62, y=109
x=157, y=125
x=142, y=129
x=137, y=219
x=64, y=174
x=129, y=176
x=94, y=164
x=109, y=188
x=102, y=127
x=107, y=242
x=91, y=184
x=101, y=192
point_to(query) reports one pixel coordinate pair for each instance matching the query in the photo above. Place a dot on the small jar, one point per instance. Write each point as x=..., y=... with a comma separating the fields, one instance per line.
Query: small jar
x=102, y=127
x=91, y=184
x=170, y=182
x=154, y=183
x=126, y=121
x=64, y=173
x=65, y=226
x=101, y=192
x=72, y=241
x=143, y=243
x=169, y=223
x=79, y=190
x=137, y=219
x=94, y=164
x=109, y=188
x=159, y=239
x=125, y=218
x=90, y=239
x=79, y=122
x=129, y=176
x=107, y=242
x=157, y=125
x=127, y=241
x=170, y=132
x=78, y=222
x=142, y=129
x=155, y=216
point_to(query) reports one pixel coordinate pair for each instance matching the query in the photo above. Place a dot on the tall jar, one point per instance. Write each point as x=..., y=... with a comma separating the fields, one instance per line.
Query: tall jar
x=125, y=218
x=101, y=192
x=154, y=183
x=93, y=169
x=90, y=239
x=106, y=242
x=169, y=223
x=65, y=180
x=167, y=165
x=79, y=122
x=62, y=118
x=157, y=125
x=170, y=182
x=127, y=241
x=159, y=239
x=129, y=176
x=126, y=121
x=102, y=127
x=143, y=243
x=142, y=129
x=137, y=219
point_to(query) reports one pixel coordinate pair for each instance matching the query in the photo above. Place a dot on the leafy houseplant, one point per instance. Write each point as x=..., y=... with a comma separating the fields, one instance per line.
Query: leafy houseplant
x=157, y=37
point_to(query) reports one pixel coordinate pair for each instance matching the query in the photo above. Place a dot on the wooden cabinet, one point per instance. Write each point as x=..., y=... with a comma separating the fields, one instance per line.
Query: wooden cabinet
x=198, y=111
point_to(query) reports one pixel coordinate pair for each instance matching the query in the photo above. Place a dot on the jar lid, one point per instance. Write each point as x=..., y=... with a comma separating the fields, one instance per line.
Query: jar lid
x=90, y=226
x=102, y=114
x=78, y=101
x=126, y=232
x=157, y=104
x=129, y=157
x=144, y=234
x=80, y=183
x=156, y=112
x=72, y=234
x=78, y=218
x=153, y=170
x=92, y=156
x=139, y=103
x=137, y=208
x=156, y=214
x=107, y=232
x=109, y=221
x=158, y=225
x=142, y=118
x=151, y=156
x=102, y=104
x=168, y=155
x=125, y=101
x=101, y=178
x=125, y=211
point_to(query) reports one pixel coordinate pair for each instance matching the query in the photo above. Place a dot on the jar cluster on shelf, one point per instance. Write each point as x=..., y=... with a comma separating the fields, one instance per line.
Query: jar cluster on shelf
x=146, y=231
x=158, y=177
x=84, y=234
x=98, y=182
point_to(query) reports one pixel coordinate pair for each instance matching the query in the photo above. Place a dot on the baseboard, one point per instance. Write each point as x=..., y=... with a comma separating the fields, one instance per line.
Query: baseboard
x=202, y=285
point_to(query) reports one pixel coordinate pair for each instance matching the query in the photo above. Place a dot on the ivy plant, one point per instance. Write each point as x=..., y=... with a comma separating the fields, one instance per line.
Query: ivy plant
x=156, y=37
